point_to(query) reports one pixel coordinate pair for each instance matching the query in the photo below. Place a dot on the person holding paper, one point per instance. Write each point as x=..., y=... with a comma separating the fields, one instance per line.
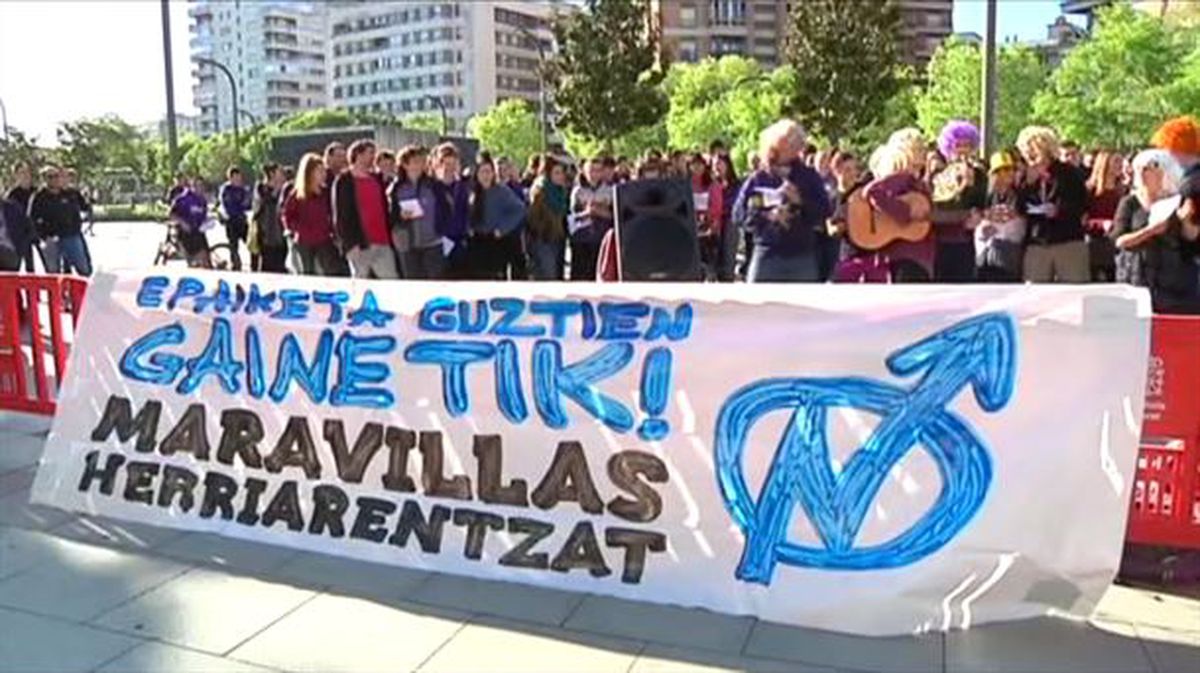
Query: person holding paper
x=783, y=204
x=1001, y=232
x=1053, y=204
x=591, y=217
x=451, y=217
x=414, y=210
x=1154, y=248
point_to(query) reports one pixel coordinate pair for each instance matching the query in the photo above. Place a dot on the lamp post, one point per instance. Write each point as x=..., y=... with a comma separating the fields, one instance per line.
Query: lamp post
x=237, y=140
x=172, y=134
x=988, y=104
x=441, y=106
x=541, y=50
x=254, y=120
x=3, y=119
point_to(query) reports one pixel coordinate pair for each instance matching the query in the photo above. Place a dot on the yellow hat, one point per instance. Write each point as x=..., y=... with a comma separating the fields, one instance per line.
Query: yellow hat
x=1000, y=161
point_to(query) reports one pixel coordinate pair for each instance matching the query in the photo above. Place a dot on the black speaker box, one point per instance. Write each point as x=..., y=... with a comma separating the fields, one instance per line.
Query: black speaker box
x=656, y=231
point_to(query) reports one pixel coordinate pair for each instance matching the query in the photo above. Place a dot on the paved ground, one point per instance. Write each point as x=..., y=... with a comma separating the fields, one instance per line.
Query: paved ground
x=83, y=594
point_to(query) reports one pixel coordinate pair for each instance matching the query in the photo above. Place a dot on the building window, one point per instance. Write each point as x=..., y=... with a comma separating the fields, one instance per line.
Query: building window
x=728, y=45
x=687, y=17
x=687, y=51
x=728, y=12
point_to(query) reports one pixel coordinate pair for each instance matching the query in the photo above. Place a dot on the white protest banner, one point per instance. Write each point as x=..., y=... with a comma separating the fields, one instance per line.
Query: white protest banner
x=870, y=459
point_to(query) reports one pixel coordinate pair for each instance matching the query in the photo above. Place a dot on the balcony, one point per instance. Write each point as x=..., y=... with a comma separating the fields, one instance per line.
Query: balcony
x=200, y=10
x=272, y=37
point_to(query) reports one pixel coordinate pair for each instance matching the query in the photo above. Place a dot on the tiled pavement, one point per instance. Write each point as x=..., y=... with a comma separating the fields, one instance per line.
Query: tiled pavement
x=81, y=594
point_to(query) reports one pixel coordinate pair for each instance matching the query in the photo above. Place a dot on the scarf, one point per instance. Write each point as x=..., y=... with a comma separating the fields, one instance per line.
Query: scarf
x=557, y=197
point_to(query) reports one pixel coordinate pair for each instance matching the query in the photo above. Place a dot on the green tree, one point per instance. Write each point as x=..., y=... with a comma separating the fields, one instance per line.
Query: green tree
x=100, y=148
x=699, y=98
x=753, y=106
x=846, y=62
x=423, y=121
x=509, y=128
x=899, y=111
x=18, y=148
x=605, y=74
x=633, y=144
x=210, y=157
x=1114, y=88
x=954, y=86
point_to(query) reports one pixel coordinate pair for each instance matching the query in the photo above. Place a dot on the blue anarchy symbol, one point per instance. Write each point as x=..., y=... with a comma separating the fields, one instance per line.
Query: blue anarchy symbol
x=980, y=352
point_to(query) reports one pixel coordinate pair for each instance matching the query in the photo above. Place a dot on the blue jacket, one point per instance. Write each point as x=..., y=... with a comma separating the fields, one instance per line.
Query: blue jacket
x=16, y=225
x=453, y=216
x=798, y=232
x=234, y=202
x=503, y=211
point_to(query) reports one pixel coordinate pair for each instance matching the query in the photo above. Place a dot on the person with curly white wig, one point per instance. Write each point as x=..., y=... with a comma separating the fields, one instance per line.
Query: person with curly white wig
x=783, y=204
x=1155, y=251
x=1053, y=205
x=898, y=168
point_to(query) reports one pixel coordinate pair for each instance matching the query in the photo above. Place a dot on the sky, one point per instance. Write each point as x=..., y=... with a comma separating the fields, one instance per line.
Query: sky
x=66, y=59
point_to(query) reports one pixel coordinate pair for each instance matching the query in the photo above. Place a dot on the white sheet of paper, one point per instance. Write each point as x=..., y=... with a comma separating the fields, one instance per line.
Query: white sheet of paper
x=772, y=197
x=1162, y=209
x=411, y=208
x=701, y=201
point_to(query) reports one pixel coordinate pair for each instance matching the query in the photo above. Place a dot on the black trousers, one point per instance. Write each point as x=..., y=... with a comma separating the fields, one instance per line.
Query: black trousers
x=272, y=260
x=955, y=262
x=583, y=260
x=485, y=257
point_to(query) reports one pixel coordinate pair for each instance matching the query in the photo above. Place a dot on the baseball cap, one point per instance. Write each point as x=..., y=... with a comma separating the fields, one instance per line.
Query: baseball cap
x=1000, y=161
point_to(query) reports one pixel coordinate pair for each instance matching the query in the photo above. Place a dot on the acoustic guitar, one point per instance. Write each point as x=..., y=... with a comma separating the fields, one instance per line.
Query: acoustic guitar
x=870, y=229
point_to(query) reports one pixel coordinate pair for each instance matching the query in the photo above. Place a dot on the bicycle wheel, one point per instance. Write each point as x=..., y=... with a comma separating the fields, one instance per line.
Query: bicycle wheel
x=221, y=256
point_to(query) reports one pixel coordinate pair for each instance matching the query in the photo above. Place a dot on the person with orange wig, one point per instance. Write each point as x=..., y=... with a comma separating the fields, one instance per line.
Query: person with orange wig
x=1181, y=137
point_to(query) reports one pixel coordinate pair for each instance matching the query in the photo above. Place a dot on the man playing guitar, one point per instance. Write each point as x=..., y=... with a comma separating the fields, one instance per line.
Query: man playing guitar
x=894, y=207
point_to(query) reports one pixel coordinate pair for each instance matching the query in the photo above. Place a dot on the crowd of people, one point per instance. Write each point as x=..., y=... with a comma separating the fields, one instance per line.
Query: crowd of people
x=916, y=210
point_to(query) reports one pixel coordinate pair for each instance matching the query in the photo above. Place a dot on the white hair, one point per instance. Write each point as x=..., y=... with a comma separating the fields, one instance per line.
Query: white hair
x=784, y=139
x=1171, y=170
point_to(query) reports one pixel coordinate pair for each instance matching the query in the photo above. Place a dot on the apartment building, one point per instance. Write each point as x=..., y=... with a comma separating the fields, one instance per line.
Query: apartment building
x=275, y=50
x=695, y=29
x=453, y=57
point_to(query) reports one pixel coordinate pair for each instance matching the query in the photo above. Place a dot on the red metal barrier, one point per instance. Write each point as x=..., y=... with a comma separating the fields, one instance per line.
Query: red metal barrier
x=33, y=344
x=1165, y=506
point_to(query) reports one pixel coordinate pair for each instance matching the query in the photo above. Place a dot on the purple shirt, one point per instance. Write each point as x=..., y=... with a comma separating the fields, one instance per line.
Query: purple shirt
x=191, y=209
x=799, y=233
x=884, y=194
